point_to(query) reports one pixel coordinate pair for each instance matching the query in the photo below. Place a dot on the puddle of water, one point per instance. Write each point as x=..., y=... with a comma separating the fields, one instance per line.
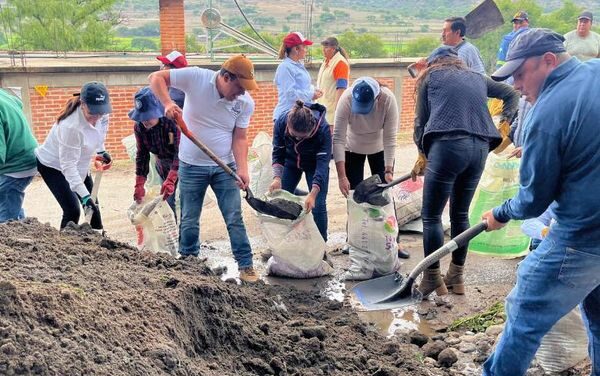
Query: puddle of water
x=388, y=322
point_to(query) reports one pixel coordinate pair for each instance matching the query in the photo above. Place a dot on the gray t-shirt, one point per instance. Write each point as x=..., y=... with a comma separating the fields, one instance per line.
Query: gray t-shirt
x=583, y=48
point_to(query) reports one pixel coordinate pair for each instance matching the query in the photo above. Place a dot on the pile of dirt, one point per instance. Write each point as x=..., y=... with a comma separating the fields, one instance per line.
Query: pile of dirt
x=76, y=303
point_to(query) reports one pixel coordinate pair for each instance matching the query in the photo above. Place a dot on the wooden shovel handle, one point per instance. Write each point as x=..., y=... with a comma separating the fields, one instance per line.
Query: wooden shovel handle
x=184, y=129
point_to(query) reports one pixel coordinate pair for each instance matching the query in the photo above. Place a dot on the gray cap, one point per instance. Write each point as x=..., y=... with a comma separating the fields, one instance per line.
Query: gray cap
x=442, y=51
x=587, y=15
x=531, y=42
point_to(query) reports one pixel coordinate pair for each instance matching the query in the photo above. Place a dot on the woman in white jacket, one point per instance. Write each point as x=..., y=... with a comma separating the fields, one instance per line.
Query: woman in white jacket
x=64, y=159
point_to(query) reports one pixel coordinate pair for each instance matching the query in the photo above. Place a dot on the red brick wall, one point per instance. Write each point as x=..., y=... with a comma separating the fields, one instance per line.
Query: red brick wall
x=172, y=26
x=45, y=109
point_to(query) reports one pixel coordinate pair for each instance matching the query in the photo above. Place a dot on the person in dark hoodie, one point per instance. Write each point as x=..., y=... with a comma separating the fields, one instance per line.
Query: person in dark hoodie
x=454, y=133
x=302, y=144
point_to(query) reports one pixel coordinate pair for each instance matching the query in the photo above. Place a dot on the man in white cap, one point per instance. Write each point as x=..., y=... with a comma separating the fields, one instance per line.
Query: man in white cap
x=560, y=164
x=174, y=60
x=583, y=43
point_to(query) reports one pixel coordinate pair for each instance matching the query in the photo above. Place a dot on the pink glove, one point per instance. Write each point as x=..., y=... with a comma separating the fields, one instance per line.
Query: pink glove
x=168, y=187
x=139, y=192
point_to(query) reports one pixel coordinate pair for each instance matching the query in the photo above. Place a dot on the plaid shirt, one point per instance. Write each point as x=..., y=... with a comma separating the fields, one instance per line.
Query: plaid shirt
x=161, y=140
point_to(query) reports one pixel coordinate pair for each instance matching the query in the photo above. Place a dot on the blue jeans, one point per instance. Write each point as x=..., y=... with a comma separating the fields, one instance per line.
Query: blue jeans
x=193, y=182
x=289, y=181
x=550, y=282
x=12, y=193
x=454, y=168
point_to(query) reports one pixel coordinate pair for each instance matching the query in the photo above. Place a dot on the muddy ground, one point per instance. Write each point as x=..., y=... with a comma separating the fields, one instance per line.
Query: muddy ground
x=73, y=303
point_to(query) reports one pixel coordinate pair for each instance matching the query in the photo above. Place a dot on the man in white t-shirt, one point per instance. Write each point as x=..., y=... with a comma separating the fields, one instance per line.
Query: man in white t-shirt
x=583, y=42
x=217, y=111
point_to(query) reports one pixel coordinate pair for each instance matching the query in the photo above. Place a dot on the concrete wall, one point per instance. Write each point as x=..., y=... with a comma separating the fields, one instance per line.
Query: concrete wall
x=124, y=81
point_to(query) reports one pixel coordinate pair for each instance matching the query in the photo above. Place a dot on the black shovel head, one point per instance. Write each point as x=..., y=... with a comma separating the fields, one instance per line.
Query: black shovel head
x=369, y=191
x=387, y=292
x=277, y=207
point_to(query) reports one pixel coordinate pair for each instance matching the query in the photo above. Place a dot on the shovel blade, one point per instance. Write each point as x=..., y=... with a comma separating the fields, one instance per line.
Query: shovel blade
x=268, y=208
x=387, y=292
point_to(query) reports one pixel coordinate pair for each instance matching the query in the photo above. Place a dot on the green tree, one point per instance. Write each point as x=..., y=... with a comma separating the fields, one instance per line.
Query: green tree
x=64, y=25
x=143, y=44
x=362, y=45
x=419, y=47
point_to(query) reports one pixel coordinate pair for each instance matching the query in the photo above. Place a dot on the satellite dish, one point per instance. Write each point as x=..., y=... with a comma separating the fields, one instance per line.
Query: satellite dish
x=210, y=18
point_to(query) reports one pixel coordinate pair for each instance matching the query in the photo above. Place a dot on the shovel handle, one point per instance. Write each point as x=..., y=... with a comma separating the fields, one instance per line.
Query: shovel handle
x=396, y=181
x=458, y=241
x=184, y=129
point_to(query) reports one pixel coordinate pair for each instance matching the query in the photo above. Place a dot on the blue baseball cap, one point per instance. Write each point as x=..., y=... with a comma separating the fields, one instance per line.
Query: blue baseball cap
x=147, y=106
x=95, y=96
x=442, y=51
x=531, y=42
x=364, y=92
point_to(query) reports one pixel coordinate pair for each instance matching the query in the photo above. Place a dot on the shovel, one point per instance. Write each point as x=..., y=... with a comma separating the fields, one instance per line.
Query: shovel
x=277, y=208
x=394, y=290
x=484, y=18
x=370, y=189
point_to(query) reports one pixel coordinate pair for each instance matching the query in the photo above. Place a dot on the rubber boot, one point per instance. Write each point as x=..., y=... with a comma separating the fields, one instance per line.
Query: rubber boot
x=432, y=281
x=454, y=279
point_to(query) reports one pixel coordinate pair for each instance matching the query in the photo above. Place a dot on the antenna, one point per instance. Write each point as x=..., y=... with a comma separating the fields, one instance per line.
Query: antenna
x=212, y=21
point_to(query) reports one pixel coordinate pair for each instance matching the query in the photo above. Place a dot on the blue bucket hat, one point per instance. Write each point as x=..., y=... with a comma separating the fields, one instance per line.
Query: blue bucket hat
x=147, y=106
x=531, y=42
x=442, y=51
x=364, y=92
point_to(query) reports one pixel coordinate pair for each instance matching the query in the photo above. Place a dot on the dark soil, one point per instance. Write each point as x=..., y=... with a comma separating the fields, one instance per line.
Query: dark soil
x=74, y=303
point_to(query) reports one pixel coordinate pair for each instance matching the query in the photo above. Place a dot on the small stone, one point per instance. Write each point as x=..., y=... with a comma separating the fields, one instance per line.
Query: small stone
x=8, y=348
x=466, y=347
x=430, y=362
x=483, y=346
x=439, y=301
x=318, y=331
x=534, y=372
x=433, y=349
x=494, y=330
x=469, y=333
x=451, y=341
x=480, y=336
x=447, y=358
x=439, y=337
x=467, y=338
x=418, y=338
x=390, y=348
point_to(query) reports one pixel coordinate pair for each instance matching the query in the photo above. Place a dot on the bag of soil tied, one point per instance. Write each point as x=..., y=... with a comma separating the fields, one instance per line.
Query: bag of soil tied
x=408, y=200
x=259, y=164
x=565, y=345
x=372, y=232
x=297, y=246
x=155, y=224
x=499, y=182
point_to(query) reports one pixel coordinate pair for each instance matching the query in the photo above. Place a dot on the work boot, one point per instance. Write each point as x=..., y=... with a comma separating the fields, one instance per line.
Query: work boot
x=432, y=281
x=248, y=274
x=454, y=279
x=403, y=253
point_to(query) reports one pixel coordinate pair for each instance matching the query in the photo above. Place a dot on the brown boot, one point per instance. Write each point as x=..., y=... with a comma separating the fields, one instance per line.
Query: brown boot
x=432, y=281
x=454, y=279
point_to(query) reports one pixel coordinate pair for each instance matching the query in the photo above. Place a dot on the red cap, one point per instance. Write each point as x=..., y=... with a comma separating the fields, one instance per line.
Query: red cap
x=294, y=39
x=175, y=58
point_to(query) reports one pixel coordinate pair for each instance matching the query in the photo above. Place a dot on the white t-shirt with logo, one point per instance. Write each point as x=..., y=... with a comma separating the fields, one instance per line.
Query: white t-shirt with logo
x=209, y=117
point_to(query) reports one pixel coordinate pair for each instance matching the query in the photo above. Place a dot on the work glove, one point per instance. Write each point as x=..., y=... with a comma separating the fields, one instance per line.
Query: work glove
x=503, y=145
x=419, y=167
x=504, y=128
x=104, y=159
x=139, y=191
x=168, y=187
x=89, y=204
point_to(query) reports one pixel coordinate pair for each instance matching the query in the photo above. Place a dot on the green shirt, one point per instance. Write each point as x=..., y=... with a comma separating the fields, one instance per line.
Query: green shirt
x=583, y=48
x=17, y=143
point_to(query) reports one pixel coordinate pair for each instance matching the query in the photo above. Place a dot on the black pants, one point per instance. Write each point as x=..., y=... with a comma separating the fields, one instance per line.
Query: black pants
x=355, y=166
x=454, y=168
x=68, y=200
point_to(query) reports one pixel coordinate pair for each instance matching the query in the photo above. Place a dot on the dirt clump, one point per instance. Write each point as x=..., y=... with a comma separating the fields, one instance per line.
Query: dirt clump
x=76, y=303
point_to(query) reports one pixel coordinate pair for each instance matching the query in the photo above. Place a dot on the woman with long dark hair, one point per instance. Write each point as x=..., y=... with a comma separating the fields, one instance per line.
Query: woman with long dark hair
x=75, y=139
x=302, y=144
x=454, y=133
